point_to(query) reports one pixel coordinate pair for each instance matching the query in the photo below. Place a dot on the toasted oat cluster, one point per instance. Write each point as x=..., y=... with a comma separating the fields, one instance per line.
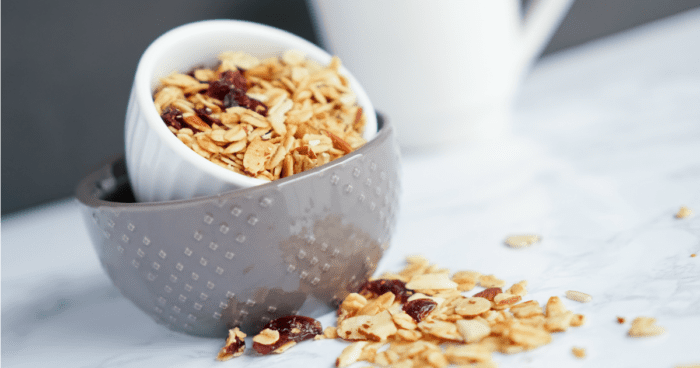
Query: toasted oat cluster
x=419, y=317
x=266, y=119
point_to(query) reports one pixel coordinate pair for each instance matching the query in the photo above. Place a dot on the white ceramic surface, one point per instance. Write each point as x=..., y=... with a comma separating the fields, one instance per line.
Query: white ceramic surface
x=446, y=71
x=161, y=167
x=607, y=148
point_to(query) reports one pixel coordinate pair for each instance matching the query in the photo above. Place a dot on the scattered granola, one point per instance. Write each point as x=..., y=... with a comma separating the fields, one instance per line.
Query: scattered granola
x=684, y=212
x=451, y=328
x=578, y=296
x=693, y=255
x=388, y=323
x=620, y=320
x=522, y=241
x=579, y=352
x=645, y=327
x=267, y=119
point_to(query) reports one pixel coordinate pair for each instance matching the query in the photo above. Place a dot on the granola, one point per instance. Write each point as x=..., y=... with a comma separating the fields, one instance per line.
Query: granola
x=387, y=323
x=266, y=119
x=446, y=327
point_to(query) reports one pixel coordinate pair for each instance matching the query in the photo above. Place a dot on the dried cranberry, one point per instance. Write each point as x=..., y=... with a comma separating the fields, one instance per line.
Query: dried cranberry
x=290, y=328
x=205, y=115
x=379, y=287
x=228, y=82
x=257, y=106
x=218, y=89
x=173, y=117
x=235, y=347
x=237, y=97
x=230, y=88
x=419, y=308
x=231, y=98
x=236, y=79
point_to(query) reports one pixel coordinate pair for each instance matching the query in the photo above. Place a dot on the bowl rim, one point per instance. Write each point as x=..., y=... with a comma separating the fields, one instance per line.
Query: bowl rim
x=86, y=194
x=152, y=56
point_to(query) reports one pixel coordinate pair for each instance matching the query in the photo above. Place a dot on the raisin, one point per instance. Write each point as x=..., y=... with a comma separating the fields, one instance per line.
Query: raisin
x=419, y=308
x=489, y=293
x=290, y=328
x=379, y=287
x=173, y=117
x=205, y=115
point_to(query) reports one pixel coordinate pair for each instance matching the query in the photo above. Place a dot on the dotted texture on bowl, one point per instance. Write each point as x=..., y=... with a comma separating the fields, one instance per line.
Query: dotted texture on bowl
x=245, y=257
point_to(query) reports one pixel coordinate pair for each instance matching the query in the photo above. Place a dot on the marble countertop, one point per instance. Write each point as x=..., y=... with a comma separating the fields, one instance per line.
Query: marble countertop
x=605, y=150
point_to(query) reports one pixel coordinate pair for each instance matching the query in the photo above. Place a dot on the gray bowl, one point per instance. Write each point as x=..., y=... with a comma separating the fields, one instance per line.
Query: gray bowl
x=297, y=245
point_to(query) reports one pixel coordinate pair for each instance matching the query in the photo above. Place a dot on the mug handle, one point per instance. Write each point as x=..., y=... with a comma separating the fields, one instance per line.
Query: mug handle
x=539, y=23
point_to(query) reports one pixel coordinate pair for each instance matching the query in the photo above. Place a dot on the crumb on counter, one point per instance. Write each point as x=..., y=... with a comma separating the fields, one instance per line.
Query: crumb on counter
x=578, y=296
x=684, y=212
x=645, y=327
x=522, y=241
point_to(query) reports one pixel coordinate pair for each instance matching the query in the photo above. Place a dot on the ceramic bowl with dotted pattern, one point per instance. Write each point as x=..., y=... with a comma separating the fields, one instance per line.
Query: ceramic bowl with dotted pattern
x=243, y=257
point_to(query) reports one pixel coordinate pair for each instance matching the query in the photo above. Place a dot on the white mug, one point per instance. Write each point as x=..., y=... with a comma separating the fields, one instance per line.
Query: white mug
x=445, y=71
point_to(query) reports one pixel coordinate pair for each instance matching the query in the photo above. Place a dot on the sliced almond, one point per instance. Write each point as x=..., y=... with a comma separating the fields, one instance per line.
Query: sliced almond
x=578, y=296
x=522, y=241
x=267, y=337
x=197, y=123
x=432, y=281
x=473, y=330
x=257, y=154
x=350, y=354
x=472, y=306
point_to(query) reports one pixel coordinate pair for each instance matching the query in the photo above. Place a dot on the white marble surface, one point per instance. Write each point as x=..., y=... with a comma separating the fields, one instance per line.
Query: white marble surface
x=606, y=149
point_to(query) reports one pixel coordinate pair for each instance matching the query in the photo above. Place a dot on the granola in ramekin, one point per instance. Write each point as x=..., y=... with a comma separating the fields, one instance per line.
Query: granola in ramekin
x=266, y=119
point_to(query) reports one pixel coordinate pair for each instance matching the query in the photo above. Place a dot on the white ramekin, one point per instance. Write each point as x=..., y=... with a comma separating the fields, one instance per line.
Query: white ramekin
x=162, y=168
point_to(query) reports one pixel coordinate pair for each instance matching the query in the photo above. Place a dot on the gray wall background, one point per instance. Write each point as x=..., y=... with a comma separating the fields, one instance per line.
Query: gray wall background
x=67, y=69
